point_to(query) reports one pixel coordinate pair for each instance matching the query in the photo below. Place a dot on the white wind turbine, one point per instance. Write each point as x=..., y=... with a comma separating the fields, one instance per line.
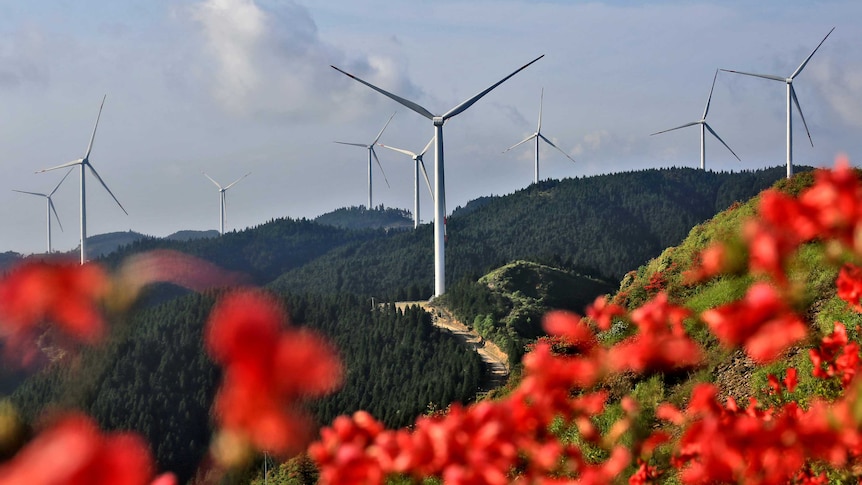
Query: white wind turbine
x=439, y=183
x=371, y=152
x=84, y=163
x=417, y=163
x=703, y=127
x=221, y=197
x=50, y=206
x=791, y=97
x=538, y=136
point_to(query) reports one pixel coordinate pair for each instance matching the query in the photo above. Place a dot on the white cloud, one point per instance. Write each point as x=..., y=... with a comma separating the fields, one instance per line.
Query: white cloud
x=271, y=63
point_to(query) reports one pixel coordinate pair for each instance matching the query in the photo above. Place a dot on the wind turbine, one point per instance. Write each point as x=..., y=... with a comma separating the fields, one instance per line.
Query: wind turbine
x=791, y=97
x=703, y=127
x=439, y=183
x=538, y=135
x=221, y=196
x=50, y=206
x=417, y=162
x=84, y=163
x=371, y=152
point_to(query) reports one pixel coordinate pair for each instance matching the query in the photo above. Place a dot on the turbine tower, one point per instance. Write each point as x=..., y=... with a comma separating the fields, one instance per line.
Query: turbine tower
x=371, y=152
x=791, y=98
x=703, y=127
x=84, y=163
x=538, y=136
x=50, y=206
x=221, y=197
x=417, y=162
x=439, y=182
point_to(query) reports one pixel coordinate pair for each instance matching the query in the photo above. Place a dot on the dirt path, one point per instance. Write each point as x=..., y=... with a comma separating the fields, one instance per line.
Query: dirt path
x=496, y=361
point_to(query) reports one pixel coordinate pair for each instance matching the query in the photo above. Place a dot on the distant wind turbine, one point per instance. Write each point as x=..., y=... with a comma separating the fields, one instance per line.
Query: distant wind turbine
x=84, y=163
x=791, y=97
x=417, y=163
x=538, y=135
x=50, y=206
x=221, y=196
x=703, y=127
x=371, y=152
x=439, y=183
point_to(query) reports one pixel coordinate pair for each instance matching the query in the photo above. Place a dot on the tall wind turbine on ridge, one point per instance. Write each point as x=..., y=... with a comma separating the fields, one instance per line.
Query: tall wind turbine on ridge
x=84, y=163
x=791, y=97
x=417, y=162
x=50, y=206
x=538, y=135
x=439, y=183
x=371, y=152
x=703, y=127
x=221, y=196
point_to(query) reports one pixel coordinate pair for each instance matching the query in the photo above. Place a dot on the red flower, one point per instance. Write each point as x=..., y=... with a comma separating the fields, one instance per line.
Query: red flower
x=74, y=451
x=849, y=284
x=661, y=343
x=836, y=356
x=268, y=369
x=66, y=295
x=571, y=328
x=602, y=311
x=761, y=322
x=710, y=262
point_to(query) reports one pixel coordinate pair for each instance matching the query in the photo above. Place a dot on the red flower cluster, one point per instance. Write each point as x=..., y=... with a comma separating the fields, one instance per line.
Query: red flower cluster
x=849, y=284
x=602, y=311
x=74, y=452
x=728, y=444
x=267, y=370
x=836, y=356
x=661, y=342
x=66, y=294
x=761, y=322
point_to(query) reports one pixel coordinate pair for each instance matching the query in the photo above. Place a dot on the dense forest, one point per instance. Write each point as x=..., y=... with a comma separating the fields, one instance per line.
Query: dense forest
x=154, y=376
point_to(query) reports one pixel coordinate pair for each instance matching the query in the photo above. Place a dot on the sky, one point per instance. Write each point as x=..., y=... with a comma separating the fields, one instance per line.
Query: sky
x=228, y=87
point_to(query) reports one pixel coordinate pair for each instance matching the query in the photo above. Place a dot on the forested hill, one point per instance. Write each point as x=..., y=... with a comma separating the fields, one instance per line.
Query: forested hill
x=602, y=226
x=362, y=218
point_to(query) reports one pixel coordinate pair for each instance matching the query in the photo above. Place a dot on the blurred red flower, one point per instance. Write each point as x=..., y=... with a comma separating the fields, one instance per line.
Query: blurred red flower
x=74, y=452
x=268, y=369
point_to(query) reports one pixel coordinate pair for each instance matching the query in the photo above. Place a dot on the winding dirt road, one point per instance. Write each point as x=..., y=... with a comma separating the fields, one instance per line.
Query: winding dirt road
x=496, y=361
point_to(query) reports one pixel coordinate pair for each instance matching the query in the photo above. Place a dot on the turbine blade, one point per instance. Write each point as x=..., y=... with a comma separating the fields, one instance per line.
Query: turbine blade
x=106, y=187
x=31, y=193
x=427, y=180
x=541, y=99
x=61, y=182
x=384, y=128
x=427, y=146
x=466, y=104
x=722, y=141
x=93, y=136
x=525, y=140
x=54, y=209
x=410, y=104
x=381, y=167
x=363, y=145
x=678, y=127
x=799, y=108
x=213, y=181
x=706, y=110
x=399, y=150
x=802, y=66
x=68, y=164
x=237, y=180
x=764, y=76
x=555, y=146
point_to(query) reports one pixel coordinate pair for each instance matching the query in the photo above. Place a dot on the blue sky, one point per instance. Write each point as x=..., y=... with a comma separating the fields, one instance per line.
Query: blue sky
x=231, y=86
